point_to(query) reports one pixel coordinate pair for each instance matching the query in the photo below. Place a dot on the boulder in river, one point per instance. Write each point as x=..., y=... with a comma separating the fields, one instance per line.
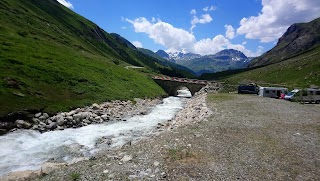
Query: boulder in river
x=22, y=124
x=51, y=126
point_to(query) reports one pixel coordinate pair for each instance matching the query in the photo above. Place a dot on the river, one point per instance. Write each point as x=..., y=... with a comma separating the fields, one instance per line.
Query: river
x=28, y=149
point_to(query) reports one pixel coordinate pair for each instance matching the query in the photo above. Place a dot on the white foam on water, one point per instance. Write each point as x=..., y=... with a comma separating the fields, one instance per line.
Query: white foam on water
x=184, y=93
x=28, y=149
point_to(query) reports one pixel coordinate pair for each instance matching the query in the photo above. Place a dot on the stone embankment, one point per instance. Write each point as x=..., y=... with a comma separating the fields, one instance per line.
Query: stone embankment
x=195, y=110
x=97, y=113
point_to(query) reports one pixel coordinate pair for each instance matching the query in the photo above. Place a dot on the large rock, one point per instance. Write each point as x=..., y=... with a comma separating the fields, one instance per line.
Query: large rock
x=7, y=125
x=69, y=118
x=35, y=127
x=126, y=158
x=49, y=167
x=58, y=118
x=95, y=106
x=105, y=117
x=51, y=126
x=71, y=113
x=22, y=124
x=35, y=121
x=38, y=115
x=82, y=115
x=61, y=122
x=44, y=116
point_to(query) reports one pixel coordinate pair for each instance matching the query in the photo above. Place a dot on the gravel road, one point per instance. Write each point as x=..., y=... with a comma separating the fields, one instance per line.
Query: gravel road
x=246, y=137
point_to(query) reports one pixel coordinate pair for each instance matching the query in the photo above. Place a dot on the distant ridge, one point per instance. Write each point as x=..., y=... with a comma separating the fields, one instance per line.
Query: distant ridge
x=223, y=60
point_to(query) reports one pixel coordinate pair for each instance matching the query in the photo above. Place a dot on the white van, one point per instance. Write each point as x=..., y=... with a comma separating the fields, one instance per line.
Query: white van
x=307, y=95
x=274, y=92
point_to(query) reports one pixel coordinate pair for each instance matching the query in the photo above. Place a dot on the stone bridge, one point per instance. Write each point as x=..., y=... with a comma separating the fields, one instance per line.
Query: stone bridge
x=172, y=84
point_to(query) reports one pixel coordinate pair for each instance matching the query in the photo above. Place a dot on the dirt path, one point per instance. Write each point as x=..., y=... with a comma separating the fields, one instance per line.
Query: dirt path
x=246, y=138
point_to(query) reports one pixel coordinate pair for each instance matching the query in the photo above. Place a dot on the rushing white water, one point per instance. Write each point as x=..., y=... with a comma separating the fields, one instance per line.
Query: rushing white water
x=28, y=149
x=184, y=93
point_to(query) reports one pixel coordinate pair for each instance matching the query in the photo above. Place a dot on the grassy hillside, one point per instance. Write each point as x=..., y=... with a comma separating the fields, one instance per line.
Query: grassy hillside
x=53, y=59
x=300, y=71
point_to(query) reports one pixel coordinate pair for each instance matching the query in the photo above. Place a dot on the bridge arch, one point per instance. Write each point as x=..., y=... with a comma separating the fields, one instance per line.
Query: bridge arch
x=172, y=84
x=183, y=91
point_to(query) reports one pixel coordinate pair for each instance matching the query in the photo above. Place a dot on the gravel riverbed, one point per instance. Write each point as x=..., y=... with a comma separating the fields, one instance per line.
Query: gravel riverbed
x=216, y=137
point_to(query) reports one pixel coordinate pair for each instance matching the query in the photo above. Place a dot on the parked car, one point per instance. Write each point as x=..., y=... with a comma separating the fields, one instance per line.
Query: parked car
x=248, y=89
x=304, y=95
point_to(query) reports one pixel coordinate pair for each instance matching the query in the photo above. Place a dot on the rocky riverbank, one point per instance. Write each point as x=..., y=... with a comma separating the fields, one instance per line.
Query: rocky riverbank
x=247, y=138
x=94, y=114
x=194, y=111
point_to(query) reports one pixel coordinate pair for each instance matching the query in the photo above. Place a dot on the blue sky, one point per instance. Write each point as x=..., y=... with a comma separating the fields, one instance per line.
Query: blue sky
x=198, y=26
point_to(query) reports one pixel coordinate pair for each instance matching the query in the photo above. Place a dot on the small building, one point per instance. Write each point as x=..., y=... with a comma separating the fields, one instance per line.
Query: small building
x=273, y=92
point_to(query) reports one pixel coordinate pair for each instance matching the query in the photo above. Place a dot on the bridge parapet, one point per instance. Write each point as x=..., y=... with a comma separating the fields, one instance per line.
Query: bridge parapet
x=177, y=79
x=172, y=84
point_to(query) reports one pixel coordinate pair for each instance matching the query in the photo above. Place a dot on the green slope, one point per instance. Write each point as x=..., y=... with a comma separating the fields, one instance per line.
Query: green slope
x=299, y=71
x=53, y=59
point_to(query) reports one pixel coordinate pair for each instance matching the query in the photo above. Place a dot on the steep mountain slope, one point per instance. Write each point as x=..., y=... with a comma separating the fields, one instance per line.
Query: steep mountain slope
x=119, y=38
x=297, y=39
x=53, y=59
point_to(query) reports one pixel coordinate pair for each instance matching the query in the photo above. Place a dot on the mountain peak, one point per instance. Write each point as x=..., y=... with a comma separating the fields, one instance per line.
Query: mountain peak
x=235, y=55
x=163, y=54
x=183, y=55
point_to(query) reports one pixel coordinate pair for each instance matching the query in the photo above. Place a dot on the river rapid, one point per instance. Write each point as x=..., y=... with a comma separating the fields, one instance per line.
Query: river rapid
x=28, y=149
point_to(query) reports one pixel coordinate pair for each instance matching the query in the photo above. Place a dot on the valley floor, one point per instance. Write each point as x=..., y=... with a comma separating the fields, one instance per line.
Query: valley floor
x=246, y=138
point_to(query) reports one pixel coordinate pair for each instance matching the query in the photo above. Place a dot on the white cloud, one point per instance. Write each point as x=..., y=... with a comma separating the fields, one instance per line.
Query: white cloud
x=164, y=34
x=137, y=44
x=209, y=8
x=244, y=43
x=176, y=39
x=205, y=18
x=66, y=3
x=124, y=27
x=245, y=51
x=229, y=31
x=211, y=46
x=193, y=11
x=276, y=16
